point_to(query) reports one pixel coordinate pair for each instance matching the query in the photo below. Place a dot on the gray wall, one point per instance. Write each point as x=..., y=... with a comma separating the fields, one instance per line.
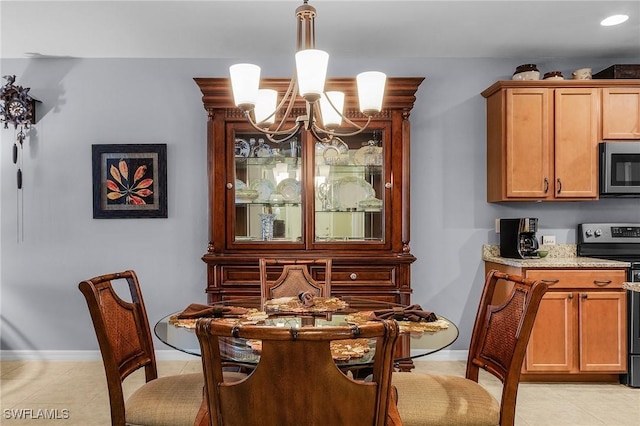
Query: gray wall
x=102, y=101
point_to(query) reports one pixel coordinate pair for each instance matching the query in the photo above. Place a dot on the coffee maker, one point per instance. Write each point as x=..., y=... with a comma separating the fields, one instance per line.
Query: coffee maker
x=518, y=238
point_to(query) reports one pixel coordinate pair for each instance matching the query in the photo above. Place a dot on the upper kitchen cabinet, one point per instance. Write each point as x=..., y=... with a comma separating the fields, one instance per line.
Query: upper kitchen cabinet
x=346, y=199
x=621, y=113
x=542, y=136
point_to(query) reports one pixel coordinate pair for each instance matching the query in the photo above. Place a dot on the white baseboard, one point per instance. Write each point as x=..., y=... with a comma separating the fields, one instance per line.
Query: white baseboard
x=169, y=355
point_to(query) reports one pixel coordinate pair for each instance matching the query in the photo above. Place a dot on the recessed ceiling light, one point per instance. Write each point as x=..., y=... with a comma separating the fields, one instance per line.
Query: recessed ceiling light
x=614, y=20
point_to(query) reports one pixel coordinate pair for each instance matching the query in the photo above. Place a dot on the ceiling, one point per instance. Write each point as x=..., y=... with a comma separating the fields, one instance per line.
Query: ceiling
x=248, y=29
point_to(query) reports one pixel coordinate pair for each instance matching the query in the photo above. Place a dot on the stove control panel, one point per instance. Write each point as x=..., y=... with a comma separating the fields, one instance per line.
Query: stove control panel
x=609, y=233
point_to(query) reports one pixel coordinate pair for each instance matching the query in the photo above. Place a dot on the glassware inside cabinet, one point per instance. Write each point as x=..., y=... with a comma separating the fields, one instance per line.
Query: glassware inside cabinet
x=349, y=188
x=268, y=183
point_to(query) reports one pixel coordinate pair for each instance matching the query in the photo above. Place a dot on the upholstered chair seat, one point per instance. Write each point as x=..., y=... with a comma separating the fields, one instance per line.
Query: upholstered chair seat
x=451, y=401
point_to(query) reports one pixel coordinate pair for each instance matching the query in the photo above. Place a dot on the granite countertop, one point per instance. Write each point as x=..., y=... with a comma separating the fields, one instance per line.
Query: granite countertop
x=560, y=256
x=631, y=286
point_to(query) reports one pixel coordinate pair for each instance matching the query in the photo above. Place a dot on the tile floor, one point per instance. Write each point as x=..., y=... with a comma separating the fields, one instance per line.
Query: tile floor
x=75, y=393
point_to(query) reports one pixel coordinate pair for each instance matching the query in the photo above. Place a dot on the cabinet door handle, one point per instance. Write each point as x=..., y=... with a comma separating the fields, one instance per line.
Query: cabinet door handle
x=229, y=185
x=601, y=283
x=546, y=185
x=387, y=185
x=584, y=296
x=550, y=282
x=570, y=296
x=353, y=276
x=559, y=186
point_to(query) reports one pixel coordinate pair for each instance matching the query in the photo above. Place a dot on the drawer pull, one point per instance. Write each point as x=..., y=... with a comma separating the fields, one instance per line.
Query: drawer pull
x=551, y=282
x=353, y=276
x=602, y=283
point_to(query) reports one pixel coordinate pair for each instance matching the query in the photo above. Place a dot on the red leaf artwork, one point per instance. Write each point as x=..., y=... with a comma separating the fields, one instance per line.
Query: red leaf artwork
x=119, y=186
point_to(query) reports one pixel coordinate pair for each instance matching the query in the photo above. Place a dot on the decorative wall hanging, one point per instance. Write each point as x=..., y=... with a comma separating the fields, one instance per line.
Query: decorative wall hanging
x=17, y=108
x=129, y=181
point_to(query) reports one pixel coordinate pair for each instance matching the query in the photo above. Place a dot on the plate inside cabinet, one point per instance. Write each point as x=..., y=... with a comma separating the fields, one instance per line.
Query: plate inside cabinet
x=350, y=190
x=262, y=150
x=242, y=148
x=264, y=187
x=289, y=189
x=368, y=156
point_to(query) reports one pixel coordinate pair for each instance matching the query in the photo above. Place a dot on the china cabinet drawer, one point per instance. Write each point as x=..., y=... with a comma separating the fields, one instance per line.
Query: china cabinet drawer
x=581, y=279
x=240, y=275
x=362, y=275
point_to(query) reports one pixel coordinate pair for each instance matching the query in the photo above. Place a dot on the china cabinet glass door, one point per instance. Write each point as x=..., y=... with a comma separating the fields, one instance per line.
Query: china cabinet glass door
x=267, y=189
x=349, y=185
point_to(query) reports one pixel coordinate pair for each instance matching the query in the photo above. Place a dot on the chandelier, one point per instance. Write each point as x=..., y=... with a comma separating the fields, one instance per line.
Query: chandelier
x=324, y=110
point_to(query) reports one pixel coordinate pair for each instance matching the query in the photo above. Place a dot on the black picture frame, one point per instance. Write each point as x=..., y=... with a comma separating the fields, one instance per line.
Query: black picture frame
x=129, y=181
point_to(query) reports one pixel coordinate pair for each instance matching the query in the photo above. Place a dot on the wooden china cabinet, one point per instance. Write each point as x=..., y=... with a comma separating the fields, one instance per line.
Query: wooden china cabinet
x=347, y=199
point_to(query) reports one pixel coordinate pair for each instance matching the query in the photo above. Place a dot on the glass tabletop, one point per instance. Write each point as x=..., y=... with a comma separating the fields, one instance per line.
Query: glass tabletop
x=182, y=336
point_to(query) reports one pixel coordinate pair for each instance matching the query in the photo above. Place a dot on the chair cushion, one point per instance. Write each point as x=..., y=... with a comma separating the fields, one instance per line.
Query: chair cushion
x=425, y=399
x=169, y=401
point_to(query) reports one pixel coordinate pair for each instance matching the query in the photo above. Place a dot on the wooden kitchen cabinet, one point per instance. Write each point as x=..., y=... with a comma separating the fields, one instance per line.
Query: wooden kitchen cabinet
x=542, y=136
x=542, y=144
x=580, y=330
x=621, y=113
x=351, y=206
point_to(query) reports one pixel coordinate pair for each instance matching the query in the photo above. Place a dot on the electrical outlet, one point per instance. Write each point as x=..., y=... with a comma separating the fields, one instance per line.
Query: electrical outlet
x=497, y=226
x=549, y=240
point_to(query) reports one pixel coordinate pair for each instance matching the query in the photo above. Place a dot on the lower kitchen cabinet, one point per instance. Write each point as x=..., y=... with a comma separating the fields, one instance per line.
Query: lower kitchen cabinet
x=580, y=331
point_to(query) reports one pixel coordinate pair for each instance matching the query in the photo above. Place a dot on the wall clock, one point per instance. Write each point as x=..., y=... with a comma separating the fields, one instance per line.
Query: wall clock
x=17, y=108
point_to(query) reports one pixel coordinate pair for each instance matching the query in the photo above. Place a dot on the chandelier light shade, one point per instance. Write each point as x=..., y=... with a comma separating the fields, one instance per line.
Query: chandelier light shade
x=245, y=81
x=311, y=70
x=264, y=111
x=371, y=91
x=261, y=106
x=331, y=108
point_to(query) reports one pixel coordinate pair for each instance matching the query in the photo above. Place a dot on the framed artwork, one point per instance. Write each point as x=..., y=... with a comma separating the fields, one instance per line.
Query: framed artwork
x=129, y=181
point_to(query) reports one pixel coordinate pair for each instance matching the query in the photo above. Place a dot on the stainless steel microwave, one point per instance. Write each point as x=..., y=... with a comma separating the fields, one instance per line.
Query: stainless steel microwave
x=620, y=169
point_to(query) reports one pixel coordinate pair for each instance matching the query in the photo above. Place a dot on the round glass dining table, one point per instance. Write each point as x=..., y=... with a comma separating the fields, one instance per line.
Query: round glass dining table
x=420, y=343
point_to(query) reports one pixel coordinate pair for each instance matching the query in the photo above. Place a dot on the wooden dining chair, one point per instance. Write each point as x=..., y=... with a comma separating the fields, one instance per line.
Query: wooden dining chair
x=294, y=278
x=126, y=345
x=498, y=344
x=297, y=381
